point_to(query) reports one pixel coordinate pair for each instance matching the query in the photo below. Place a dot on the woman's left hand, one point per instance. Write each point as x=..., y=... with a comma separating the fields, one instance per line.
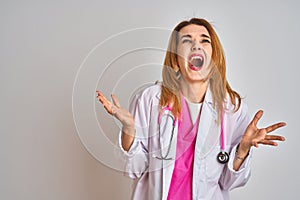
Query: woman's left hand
x=254, y=136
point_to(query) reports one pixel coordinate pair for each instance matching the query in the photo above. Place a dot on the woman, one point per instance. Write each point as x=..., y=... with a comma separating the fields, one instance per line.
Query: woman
x=173, y=134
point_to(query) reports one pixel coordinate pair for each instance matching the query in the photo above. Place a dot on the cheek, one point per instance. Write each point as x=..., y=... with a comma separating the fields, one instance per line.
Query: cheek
x=181, y=57
x=181, y=62
x=208, y=50
x=181, y=52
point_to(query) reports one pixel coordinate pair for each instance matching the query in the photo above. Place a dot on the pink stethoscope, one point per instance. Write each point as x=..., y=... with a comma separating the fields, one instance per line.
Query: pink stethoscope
x=222, y=157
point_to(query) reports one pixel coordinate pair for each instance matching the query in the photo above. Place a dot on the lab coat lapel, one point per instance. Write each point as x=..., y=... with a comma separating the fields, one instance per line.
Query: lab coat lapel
x=207, y=138
x=208, y=130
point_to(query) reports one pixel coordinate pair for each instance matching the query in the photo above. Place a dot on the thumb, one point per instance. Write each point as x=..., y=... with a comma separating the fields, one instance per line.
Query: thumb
x=116, y=101
x=257, y=117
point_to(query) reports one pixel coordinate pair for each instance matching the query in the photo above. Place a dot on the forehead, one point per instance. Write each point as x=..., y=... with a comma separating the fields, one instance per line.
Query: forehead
x=194, y=30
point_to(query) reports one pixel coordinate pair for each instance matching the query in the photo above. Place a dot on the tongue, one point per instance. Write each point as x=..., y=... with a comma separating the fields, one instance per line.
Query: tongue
x=197, y=62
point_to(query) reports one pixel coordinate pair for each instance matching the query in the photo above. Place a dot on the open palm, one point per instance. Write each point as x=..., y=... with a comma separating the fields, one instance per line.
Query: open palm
x=254, y=136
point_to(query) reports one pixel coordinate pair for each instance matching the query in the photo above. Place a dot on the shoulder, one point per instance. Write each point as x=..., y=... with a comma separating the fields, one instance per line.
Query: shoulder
x=231, y=108
x=147, y=93
x=242, y=112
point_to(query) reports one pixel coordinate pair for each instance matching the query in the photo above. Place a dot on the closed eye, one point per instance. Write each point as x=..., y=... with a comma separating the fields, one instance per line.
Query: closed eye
x=186, y=41
x=205, y=41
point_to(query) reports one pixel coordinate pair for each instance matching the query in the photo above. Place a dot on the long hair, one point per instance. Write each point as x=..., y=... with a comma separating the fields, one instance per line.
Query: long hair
x=170, y=94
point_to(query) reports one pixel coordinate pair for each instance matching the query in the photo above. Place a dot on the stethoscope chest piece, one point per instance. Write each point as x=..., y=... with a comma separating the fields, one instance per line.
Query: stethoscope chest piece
x=223, y=157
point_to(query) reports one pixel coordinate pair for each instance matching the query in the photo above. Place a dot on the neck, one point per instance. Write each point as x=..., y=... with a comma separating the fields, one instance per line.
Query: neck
x=194, y=91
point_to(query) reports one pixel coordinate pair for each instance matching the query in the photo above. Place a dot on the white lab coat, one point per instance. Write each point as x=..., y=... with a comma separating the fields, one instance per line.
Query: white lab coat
x=211, y=180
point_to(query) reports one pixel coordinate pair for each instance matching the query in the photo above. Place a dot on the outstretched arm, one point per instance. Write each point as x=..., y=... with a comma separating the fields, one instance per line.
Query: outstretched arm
x=115, y=109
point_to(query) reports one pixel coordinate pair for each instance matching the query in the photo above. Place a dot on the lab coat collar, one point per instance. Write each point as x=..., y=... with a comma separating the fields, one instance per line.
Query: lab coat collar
x=208, y=129
x=207, y=99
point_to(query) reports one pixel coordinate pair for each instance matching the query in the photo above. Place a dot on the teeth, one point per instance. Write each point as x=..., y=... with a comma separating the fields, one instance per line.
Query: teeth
x=196, y=57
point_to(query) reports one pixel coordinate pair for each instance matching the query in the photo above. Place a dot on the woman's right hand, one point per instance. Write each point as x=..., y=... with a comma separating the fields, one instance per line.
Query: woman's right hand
x=124, y=116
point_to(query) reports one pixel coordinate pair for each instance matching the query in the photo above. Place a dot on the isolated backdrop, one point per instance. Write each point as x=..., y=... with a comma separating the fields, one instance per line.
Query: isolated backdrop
x=45, y=47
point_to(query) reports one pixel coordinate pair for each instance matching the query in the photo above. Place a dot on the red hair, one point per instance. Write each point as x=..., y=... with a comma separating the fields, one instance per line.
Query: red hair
x=219, y=85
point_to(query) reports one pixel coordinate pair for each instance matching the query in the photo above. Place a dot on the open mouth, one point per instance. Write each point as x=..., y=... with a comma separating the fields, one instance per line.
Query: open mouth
x=196, y=61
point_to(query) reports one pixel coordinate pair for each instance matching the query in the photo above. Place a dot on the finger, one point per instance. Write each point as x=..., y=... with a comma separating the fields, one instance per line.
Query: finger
x=275, y=126
x=107, y=104
x=108, y=107
x=255, y=144
x=102, y=98
x=116, y=101
x=257, y=116
x=275, y=137
x=268, y=142
x=99, y=93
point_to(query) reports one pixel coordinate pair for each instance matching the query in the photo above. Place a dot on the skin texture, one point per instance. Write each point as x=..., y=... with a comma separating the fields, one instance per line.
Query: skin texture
x=194, y=39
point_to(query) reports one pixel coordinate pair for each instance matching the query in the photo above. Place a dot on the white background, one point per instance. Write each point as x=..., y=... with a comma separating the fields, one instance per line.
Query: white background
x=44, y=43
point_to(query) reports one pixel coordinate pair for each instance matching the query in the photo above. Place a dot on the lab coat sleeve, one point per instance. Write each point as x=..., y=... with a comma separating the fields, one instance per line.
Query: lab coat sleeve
x=230, y=178
x=136, y=158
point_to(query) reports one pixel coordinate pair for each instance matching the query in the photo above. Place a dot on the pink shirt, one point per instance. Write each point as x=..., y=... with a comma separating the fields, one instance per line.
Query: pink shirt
x=181, y=182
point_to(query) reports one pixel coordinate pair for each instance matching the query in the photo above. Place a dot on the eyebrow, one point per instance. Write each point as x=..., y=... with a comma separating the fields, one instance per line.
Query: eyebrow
x=189, y=36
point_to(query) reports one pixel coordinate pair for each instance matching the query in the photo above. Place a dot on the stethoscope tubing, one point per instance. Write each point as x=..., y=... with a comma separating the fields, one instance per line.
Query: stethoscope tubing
x=222, y=133
x=222, y=157
x=172, y=135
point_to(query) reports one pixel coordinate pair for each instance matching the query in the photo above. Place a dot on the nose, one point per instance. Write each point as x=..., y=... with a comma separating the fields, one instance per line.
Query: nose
x=196, y=46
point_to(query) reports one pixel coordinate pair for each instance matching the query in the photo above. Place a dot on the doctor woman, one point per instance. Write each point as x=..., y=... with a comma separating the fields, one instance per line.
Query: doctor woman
x=190, y=136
